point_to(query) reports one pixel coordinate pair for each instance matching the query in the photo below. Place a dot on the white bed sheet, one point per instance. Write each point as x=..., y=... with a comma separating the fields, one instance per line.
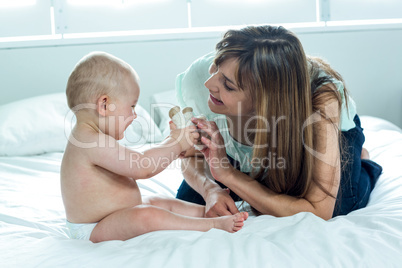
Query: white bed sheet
x=32, y=231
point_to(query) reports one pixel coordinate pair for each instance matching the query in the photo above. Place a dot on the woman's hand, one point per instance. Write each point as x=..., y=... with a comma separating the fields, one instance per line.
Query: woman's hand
x=219, y=203
x=214, y=152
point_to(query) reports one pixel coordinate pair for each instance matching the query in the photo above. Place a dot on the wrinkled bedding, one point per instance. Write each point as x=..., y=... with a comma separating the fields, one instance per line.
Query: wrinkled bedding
x=33, y=232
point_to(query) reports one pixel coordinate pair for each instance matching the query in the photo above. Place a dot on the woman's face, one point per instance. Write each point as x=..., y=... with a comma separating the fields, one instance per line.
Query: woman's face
x=225, y=97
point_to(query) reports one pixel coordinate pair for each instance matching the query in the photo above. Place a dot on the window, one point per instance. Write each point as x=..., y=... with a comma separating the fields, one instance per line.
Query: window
x=238, y=12
x=365, y=9
x=85, y=16
x=22, y=20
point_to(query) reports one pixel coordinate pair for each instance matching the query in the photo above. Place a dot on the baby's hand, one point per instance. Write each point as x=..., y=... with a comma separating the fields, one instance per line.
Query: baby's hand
x=186, y=137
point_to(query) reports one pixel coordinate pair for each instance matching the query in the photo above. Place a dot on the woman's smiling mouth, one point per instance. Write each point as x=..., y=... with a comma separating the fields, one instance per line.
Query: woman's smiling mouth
x=215, y=100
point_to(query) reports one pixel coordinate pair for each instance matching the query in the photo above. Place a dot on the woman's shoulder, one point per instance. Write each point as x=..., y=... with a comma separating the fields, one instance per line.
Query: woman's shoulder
x=322, y=75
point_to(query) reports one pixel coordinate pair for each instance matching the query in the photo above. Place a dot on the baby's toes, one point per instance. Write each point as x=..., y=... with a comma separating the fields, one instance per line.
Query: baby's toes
x=236, y=229
x=238, y=224
x=245, y=215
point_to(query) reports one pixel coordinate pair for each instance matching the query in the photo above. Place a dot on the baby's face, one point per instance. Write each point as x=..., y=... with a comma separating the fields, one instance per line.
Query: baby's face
x=125, y=103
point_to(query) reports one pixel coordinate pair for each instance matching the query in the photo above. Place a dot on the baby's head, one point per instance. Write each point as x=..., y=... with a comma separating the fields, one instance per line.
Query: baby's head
x=106, y=87
x=97, y=74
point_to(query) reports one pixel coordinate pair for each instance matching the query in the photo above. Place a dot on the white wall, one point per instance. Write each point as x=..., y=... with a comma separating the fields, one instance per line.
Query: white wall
x=369, y=60
x=370, y=63
x=28, y=72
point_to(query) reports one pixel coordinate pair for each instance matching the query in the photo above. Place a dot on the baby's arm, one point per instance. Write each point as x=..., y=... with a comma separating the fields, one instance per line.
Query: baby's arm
x=126, y=162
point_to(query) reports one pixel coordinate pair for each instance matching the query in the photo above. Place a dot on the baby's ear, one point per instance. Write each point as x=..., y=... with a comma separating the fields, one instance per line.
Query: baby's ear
x=102, y=105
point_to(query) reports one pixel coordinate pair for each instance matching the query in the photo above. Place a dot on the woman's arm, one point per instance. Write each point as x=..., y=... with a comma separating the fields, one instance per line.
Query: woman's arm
x=271, y=203
x=196, y=173
x=326, y=172
x=218, y=201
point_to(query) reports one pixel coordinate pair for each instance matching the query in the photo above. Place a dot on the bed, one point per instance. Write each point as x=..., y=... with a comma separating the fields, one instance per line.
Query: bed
x=32, y=220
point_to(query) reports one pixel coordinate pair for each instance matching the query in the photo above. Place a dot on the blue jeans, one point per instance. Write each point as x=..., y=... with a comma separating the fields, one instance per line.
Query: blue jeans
x=358, y=176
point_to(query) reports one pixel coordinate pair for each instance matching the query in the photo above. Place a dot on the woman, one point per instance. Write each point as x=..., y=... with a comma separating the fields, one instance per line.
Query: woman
x=283, y=134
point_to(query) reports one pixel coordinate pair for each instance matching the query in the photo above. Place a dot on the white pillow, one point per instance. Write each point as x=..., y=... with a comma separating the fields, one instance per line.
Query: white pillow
x=142, y=130
x=372, y=123
x=42, y=124
x=161, y=103
x=34, y=125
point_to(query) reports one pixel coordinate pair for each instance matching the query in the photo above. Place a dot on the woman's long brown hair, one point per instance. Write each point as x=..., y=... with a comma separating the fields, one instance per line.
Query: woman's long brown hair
x=272, y=65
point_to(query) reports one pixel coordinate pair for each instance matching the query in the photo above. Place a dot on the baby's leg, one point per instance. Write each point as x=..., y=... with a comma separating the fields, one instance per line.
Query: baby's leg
x=176, y=205
x=128, y=223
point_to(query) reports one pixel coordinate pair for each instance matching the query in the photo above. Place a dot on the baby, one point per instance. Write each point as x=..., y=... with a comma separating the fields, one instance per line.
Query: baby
x=98, y=175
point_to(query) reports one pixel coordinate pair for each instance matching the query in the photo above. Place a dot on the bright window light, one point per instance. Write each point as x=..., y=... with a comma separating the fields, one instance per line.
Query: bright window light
x=16, y=3
x=30, y=38
x=239, y=1
x=144, y=32
x=115, y=3
x=189, y=14
x=179, y=30
x=302, y=24
x=94, y=2
x=363, y=22
x=317, y=10
x=52, y=21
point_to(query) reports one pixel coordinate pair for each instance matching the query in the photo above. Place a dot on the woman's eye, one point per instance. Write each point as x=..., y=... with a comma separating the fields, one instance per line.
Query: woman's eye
x=227, y=87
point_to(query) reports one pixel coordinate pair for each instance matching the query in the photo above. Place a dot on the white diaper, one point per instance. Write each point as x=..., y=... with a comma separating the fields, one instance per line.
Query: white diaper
x=81, y=231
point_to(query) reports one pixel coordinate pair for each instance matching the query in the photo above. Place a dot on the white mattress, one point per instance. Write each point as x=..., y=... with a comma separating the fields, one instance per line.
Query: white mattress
x=32, y=231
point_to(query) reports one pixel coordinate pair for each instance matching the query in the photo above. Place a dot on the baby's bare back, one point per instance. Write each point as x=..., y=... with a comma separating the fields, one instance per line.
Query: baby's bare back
x=90, y=192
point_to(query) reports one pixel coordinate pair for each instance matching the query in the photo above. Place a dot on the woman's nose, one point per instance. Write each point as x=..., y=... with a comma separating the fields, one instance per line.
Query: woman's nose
x=211, y=83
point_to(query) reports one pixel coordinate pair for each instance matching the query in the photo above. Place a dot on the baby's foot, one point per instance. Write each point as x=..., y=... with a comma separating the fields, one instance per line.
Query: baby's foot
x=231, y=223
